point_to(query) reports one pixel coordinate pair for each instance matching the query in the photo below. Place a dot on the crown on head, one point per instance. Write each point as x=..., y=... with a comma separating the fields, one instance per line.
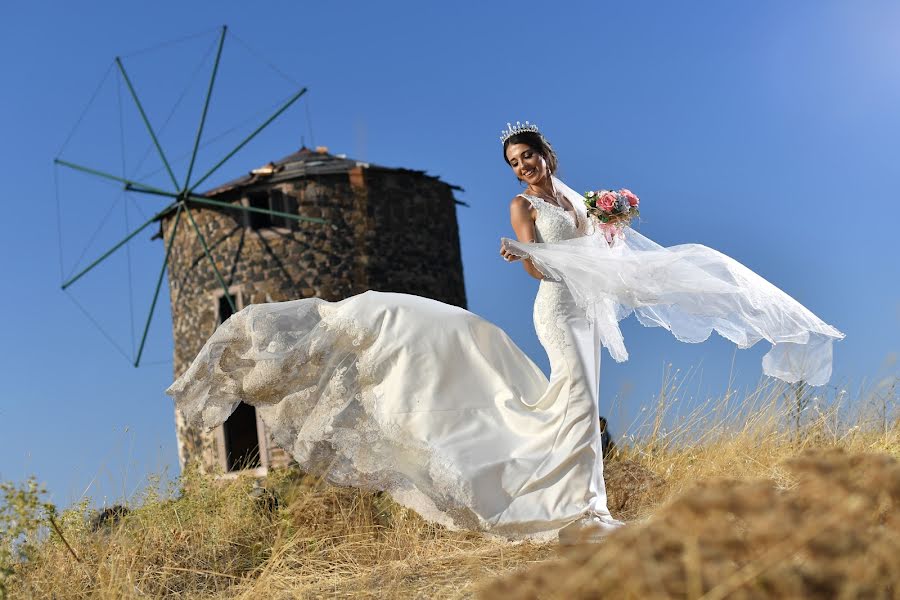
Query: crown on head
x=512, y=130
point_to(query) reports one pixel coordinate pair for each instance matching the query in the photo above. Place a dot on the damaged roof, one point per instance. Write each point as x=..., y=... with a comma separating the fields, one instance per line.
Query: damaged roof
x=303, y=163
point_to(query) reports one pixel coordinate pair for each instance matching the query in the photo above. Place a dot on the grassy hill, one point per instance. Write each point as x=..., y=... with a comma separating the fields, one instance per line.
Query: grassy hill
x=766, y=496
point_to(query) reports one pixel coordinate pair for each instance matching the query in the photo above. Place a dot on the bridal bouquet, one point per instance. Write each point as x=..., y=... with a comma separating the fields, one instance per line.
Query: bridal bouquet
x=614, y=210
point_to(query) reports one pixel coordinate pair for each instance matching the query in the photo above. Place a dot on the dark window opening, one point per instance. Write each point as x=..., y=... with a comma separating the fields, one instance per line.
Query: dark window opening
x=225, y=308
x=241, y=439
x=259, y=220
x=271, y=200
x=286, y=204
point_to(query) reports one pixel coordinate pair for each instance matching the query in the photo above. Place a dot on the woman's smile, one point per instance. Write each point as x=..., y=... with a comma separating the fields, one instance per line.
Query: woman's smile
x=528, y=164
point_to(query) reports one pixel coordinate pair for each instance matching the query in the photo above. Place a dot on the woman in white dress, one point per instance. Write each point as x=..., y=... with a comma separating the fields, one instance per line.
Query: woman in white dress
x=542, y=214
x=438, y=407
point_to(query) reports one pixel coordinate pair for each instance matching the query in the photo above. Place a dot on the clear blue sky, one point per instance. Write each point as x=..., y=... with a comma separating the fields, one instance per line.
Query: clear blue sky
x=767, y=130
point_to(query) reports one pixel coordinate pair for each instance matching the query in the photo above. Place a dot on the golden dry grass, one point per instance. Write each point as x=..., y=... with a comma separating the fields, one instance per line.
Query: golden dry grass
x=834, y=532
x=740, y=501
x=219, y=540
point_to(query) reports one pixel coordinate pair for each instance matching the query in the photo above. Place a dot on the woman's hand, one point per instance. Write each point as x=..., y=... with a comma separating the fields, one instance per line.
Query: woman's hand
x=522, y=221
x=507, y=255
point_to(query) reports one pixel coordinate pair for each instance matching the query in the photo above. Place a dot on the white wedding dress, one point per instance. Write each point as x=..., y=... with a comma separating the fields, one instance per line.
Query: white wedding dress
x=437, y=406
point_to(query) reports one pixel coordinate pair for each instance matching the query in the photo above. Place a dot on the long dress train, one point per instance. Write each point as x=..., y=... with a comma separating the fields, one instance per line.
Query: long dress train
x=438, y=407
x=421, y=399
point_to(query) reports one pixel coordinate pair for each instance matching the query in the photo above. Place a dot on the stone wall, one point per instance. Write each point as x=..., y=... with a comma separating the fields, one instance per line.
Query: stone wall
x=412, y=239
x=388, y=230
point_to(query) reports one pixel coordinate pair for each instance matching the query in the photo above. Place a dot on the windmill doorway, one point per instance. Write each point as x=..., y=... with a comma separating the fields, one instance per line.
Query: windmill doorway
x=241, y=439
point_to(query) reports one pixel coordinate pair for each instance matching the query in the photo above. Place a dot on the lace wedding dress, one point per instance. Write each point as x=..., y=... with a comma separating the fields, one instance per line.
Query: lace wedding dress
x=438, y=407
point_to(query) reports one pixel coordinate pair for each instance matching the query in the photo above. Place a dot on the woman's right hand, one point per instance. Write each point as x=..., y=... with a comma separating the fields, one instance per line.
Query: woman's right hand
x=506, y=254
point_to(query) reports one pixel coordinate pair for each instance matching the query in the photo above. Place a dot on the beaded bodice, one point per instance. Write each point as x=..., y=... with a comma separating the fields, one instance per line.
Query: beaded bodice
x=553, y=304
x=553, y=223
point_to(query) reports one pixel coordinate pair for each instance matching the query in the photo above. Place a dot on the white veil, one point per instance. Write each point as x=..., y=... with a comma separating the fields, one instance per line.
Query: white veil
x=689, y=289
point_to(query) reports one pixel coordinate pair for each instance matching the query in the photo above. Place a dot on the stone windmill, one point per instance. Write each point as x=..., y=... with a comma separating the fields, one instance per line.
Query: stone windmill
x=388, y=229
x=310, y=224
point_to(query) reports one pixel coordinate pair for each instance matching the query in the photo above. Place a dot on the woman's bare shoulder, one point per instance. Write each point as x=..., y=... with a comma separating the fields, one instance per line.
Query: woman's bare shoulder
x=519, y=203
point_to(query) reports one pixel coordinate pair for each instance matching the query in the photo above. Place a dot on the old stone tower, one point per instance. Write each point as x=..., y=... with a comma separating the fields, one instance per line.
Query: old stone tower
x=388, y=229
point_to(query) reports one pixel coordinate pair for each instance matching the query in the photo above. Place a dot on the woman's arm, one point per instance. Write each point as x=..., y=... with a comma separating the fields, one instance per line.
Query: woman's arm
x=522, y=221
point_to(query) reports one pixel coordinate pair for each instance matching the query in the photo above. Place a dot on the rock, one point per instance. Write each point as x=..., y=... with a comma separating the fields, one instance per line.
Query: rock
x=109, y=517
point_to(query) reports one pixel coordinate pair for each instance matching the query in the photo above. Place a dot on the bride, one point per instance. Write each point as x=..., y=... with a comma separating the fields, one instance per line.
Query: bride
x=438, y=407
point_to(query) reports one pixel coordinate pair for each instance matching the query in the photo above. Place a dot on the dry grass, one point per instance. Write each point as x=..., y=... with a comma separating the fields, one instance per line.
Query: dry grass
x=221, y=539
x=833, y=533
x=741, y=501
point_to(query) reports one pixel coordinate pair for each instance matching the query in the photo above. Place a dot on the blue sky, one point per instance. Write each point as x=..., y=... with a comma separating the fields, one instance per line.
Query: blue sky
x=766, y=130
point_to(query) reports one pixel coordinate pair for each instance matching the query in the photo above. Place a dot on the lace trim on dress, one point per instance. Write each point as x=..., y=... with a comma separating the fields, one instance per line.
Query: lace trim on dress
x=315, y=374
x=550, y=315
x=537, y=199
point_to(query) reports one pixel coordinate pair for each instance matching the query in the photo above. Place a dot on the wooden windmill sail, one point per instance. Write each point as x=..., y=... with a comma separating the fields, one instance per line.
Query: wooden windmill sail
x=184, y=200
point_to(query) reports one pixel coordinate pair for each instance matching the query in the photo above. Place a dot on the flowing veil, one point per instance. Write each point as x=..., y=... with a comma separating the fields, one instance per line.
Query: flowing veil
x=688, y=289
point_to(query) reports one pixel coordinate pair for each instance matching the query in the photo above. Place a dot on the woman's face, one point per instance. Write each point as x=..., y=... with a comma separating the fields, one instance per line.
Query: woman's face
x=527, y=163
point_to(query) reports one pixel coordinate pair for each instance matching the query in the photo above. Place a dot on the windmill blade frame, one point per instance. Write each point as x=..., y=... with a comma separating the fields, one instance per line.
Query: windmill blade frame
x=183, y=197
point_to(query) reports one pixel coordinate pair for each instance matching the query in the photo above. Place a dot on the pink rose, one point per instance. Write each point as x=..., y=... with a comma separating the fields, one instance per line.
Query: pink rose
x=629, y=195
x=606, y=201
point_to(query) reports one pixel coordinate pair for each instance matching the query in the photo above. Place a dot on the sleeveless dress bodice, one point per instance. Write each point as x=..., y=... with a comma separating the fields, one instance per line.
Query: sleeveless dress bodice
x=553, y=223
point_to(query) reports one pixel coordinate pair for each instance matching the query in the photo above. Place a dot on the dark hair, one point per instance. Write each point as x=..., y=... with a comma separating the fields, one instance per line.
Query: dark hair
x=536, y=142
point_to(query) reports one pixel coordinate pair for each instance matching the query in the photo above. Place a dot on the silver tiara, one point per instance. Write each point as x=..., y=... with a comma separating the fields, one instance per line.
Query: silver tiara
x=512, y=130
